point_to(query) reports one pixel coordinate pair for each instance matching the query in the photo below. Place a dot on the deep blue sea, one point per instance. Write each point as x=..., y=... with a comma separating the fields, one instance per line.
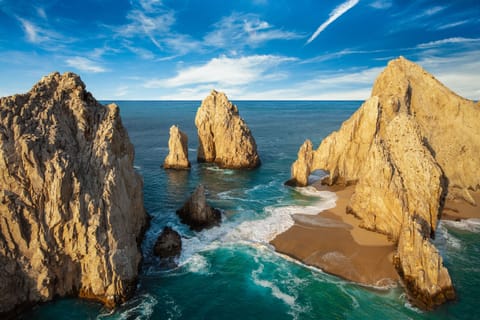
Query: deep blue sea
x=230, y=272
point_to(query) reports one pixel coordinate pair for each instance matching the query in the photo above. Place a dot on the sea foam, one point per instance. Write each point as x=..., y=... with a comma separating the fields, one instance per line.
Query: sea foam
x=277, y=219
x=472, y=225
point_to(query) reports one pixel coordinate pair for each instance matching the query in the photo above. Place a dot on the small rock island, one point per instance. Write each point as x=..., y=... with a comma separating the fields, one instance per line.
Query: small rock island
x=177, y=157
x=197, y=213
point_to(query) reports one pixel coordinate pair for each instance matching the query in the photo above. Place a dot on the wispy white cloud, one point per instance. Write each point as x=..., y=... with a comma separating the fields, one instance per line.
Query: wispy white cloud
x=142, y=24
x=41, y=13
x=121, y=91
x=458, y=71
x=334, y=15
x=223, y=71
x=455, y=40
x=434, y=10
x=427, y=13
x=85, y=65
x=238, y=30
x=453, y=24
x=36, y=34
x=151, y=5
x=381, y=4
x=338, y=54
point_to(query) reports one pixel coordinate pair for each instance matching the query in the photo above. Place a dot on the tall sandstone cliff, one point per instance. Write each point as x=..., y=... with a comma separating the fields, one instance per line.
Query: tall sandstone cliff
x=224, y=137
x=71, y=204
x=410, y=145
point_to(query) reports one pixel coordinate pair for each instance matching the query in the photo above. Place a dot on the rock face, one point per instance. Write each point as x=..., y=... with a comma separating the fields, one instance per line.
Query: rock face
x=413, y=143
x=177, y=157
x=197, y=213
x=223, y=135
x=168, y=244
x=71, y=204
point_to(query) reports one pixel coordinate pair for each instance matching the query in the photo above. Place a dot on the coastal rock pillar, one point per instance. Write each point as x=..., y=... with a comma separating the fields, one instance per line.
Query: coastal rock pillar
x=223, y=136
x=177, y=157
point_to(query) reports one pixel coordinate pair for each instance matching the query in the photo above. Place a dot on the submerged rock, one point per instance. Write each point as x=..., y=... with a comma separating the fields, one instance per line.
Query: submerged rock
x=168, y=247
x=71, y=203
x=224, y=137
x=197, y=213
x=413, y=143
x=177, y=157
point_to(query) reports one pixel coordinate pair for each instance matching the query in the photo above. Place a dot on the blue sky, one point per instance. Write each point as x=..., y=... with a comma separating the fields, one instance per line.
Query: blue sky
x=251, y=49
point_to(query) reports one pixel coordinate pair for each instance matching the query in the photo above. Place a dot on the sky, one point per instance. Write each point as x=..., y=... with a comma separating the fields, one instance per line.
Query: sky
x=250, y=49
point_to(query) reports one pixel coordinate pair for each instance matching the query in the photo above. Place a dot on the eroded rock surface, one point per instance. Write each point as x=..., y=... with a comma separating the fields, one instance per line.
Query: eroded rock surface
x=71, y=204
x=197, y=213
x=168, y=247
x=413, y=143
x=168, y=244
x=224, y=137
x=177, y=157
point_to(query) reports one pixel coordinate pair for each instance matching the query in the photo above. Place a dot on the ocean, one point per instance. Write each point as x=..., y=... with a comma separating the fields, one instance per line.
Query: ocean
x=230, y=271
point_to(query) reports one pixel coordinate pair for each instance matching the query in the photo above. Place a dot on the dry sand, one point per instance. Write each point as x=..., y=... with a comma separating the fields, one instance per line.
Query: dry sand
x=334, y=242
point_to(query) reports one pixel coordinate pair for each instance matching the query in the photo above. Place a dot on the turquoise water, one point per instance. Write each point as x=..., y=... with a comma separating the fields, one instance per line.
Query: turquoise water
x=230, y=272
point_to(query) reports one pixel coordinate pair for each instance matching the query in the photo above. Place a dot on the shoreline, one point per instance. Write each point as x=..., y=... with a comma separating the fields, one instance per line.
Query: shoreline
x=457, y=210
x=334, y=242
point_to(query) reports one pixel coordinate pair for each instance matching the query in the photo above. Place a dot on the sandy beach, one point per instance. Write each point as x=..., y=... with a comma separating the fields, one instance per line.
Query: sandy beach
x=458, y=209
x=334, y=242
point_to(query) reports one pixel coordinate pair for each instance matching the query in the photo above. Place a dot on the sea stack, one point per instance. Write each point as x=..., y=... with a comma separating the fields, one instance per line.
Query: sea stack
x=407, y=149
x=177, y=157
x=197, y=213
x=224, y=137
x=72, y=215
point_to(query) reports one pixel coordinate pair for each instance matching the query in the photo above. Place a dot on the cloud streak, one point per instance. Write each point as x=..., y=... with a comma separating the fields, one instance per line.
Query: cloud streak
x=455, y=40
x=240, y=30
x=85, y=65
x=334, y=15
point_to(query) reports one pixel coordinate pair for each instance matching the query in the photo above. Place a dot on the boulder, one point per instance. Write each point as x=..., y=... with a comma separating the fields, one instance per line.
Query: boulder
x=224, y=137
x=71, y=203
x=177, y=157
x=168, y=246
x=197, y=213
x=410, y=146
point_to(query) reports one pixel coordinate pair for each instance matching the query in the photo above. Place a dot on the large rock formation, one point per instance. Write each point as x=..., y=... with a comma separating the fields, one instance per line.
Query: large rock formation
x=71, y=204
x=413, y=143
x=223, y=135
x=177, y=157
x=197, y=213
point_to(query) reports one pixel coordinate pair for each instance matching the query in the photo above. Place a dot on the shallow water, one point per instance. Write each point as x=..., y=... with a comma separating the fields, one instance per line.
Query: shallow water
x=230, y=271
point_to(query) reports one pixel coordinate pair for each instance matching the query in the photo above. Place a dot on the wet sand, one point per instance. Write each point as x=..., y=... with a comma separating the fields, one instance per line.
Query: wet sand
x=459, y=209
x=334, y=242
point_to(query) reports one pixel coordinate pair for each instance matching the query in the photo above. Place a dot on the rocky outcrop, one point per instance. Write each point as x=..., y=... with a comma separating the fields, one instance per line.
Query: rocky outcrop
x=71, y=204
x=168, y=247
x=413, y=143
x=197, y=213
x=177, y=157
x=223, y=135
